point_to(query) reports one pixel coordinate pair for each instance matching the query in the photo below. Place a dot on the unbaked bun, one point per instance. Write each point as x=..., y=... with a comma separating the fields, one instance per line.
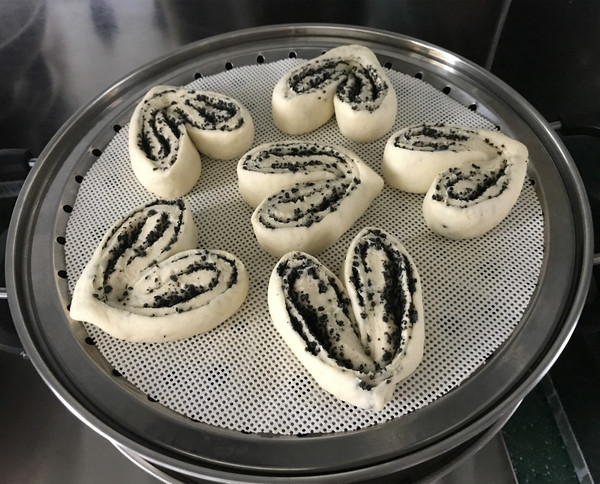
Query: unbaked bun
x=306, y=194
x=347, y=81
x=415, y=155
x=359, y=336
x=147, y=281
x=472, y=177
x=171, y=125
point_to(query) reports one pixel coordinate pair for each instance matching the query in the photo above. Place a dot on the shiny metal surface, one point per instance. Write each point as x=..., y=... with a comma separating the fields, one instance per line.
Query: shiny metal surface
x=41, y=441
x=81, y=378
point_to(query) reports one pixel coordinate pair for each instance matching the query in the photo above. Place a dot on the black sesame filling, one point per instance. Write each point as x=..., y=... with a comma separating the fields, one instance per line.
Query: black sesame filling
x=316, y=75
x=320, y=310
x=398, y=308
x=305, y=204
x=130, y=246
x=472, y=184
x=186, y=292
x=363, y=88
x=437, y=137
x=297, y=158
x=332, y=178
x=163, y=122
x=358, y=85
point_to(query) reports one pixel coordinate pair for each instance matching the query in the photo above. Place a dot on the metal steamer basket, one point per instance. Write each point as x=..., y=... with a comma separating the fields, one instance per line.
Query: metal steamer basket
x=423, y=440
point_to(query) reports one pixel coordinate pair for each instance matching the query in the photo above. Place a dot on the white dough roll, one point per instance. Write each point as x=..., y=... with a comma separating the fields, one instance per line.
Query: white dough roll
x=320, y=192
x=174, y=181
x=415, y=155
x=348, y=81
x=365, y=125
x=302, y=114
x=171, y=125
x=147, y=281
x=356, y=351
x=472, y=198
x=270, y=167
x=221, y=143
x=385, y=291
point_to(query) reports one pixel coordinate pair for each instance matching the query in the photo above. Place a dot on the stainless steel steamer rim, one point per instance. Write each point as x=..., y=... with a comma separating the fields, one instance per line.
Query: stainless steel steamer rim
x=84, y=381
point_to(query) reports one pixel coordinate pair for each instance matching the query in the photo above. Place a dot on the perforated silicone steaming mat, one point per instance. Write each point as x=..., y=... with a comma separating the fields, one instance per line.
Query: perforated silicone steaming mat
x=241, y=375
x=490, y=316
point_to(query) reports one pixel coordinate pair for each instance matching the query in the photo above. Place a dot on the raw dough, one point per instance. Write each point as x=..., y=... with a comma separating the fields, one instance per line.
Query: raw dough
x=147, y=281
x=306, y=195
x=360, y=337
x=171, y=125
x=472, y=177
x=415, y=155
x=347, y=81
x=471, y=199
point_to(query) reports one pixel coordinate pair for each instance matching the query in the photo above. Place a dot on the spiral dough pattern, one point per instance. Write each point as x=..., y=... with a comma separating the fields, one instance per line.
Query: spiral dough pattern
x=358, y=336
x=148, y=282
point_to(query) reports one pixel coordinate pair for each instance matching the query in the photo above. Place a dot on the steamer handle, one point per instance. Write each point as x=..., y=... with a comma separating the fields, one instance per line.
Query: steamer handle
x=14, y=168
x=568, y=127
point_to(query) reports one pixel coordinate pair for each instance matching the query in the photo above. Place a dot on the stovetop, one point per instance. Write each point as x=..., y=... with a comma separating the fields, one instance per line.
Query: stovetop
x=57, y=55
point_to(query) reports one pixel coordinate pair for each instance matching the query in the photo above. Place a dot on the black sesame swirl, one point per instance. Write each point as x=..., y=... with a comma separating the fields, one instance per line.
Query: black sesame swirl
x=317, y=75
x=298, y=158
x=348, y=81
x=314, y=180
x=357, y=336
x=146, y=236
x=183, y=282
x=385, y=285
x=361, y=86
x=364, y=88
x=434, y=137
x=320, y=311
x=306, y=194
x=477, y=188
x=147, y=280
x=305, y=204
x=470, y=184
x=169, y=128
x=167, y=114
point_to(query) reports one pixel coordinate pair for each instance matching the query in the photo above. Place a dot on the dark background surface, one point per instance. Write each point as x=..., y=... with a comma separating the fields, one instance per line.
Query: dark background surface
x=57, y=55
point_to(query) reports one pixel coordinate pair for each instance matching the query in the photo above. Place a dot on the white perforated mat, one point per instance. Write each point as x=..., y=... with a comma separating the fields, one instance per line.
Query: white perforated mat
x=241, y=376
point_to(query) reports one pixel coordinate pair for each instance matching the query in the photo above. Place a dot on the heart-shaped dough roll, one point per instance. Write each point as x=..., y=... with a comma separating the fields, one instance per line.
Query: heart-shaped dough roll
x=148, y=282
x=472, y=178
x=358, y=338
x=308, y=194
x=471, y=199
x=171, y=125
x=415, y=155
x=348, y=81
